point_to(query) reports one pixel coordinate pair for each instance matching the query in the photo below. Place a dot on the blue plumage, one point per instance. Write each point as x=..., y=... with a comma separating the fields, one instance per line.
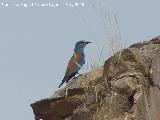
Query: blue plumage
x=76, y=61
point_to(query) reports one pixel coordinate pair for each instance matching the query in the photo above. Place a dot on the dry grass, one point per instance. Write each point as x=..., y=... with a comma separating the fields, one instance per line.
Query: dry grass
x=114, y=41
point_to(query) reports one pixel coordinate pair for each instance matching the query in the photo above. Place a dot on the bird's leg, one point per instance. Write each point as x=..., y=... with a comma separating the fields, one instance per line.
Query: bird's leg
x=79, y=74
x=66, y=92
x=75, y=77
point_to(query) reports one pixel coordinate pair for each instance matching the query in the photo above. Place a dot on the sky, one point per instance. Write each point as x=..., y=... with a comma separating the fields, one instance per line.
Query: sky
x=37, y=42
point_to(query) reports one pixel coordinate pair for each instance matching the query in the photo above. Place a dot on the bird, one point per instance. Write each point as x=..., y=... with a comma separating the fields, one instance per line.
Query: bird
x=76, y=61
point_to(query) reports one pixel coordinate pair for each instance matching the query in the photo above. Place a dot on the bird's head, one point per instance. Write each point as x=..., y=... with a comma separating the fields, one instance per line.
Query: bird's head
x=80, y=45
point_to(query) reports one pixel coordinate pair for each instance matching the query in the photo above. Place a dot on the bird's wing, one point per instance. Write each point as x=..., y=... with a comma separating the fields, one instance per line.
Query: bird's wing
x=74, y=64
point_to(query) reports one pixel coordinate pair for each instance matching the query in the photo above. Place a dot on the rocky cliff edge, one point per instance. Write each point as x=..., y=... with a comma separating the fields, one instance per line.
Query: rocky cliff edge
x=125, y=88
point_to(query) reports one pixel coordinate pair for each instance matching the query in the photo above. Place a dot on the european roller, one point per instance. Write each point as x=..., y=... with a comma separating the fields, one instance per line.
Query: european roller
x=76, y=61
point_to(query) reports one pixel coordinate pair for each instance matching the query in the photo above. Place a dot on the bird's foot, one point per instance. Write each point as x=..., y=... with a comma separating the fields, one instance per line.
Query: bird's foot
x=66, y=92
x=77, y=76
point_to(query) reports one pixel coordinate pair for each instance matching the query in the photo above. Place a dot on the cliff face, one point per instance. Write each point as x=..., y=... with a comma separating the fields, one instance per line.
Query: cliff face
x=125, y=88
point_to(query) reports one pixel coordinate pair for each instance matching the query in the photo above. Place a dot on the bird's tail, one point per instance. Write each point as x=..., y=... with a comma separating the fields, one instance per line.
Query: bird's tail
x=67, y=78
x=61, y=84
x=63, y=81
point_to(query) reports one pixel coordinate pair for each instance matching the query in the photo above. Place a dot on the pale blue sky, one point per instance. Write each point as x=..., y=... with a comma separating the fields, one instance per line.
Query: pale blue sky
x=36, y=44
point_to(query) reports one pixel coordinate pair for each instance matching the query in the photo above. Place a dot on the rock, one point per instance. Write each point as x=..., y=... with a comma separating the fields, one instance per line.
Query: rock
x=125, y=85
x=113, y=106
x=70, y=92
x=126, y=88
x=81, y=113
x=65, y=107
x=149, y=99
x=69, y=100
x=155, y=69
x=84, y=80
x=147, y=104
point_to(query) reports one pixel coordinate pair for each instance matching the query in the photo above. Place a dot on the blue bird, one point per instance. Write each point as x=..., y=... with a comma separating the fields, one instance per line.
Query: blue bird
x=76, y=61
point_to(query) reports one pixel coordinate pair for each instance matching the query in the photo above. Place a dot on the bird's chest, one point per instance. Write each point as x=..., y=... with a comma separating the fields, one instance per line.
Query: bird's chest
x=80, y=58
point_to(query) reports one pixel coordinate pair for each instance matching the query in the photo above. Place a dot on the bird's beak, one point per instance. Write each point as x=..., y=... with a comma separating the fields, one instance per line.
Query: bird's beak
x=87, y=42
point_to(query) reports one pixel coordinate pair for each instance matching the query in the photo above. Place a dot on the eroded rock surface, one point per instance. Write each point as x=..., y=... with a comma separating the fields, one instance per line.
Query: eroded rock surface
x=126, y=88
